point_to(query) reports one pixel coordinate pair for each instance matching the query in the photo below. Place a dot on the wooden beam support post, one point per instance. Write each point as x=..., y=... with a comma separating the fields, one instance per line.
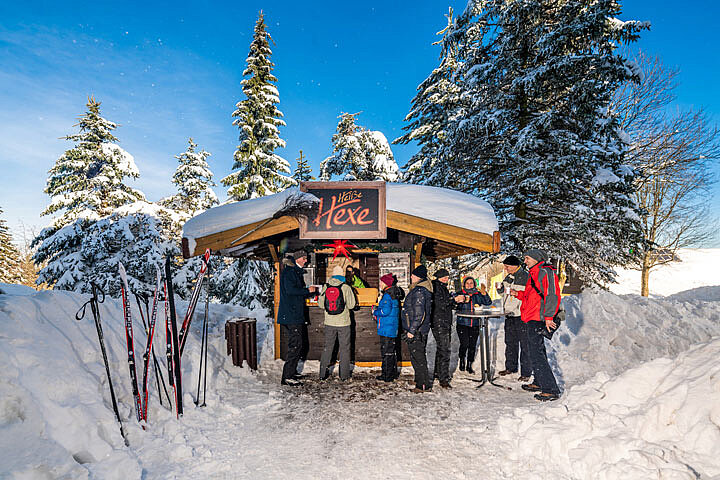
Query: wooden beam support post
x=276, y=297
x=417, y=257
x=496, y=242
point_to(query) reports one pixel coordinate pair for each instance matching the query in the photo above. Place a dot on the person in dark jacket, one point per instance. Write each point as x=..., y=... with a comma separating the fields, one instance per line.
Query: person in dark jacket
x=516, y=337
x=387, y=316
x=416, y=324
x=540, y=302
x=442, y=318
x=291, y=311
x=468, y=328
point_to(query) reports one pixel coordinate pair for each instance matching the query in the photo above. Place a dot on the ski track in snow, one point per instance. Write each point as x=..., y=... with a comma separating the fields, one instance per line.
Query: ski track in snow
x=56, y=417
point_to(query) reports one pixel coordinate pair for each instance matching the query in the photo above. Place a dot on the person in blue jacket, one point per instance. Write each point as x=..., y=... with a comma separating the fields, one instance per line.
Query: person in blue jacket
x=468, y=328
x=387, y=315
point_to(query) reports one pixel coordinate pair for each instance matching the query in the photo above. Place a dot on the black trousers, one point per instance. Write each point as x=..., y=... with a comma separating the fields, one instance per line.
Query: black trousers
x=389, y=358
x=442, y=353
x=294, y=350
x=543, y=376
x=468, y=341
x=418, y=358
x=516, y=342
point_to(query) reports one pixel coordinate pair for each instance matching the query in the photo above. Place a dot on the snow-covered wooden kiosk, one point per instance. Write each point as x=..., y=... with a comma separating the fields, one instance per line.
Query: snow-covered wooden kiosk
x=391, y=225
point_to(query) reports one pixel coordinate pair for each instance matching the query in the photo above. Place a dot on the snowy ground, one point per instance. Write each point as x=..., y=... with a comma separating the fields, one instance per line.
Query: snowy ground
x=641, y=382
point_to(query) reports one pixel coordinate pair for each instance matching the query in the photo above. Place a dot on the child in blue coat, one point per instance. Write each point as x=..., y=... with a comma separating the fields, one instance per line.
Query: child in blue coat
x=387, y=316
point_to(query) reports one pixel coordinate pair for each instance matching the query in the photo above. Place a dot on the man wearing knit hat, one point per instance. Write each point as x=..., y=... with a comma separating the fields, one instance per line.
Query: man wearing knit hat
x=337, y=298
x=416, y=315
x=540, y=302
x=516, y=339
x=442, y=318
x=291, y=311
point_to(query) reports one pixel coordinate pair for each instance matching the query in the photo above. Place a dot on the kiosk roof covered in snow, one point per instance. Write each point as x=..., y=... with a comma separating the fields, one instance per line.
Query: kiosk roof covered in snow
x=448, y=222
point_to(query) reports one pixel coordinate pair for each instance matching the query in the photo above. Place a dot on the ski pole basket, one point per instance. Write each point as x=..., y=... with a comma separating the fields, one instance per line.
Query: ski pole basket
x=241, y=337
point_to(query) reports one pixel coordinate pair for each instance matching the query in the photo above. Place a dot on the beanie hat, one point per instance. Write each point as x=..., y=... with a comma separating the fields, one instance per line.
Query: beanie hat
x=512, y=261
x=338, y=271
x=387, y=279
x=537, y=254
x=421, y=272
x=297, y=254
x=442, y=273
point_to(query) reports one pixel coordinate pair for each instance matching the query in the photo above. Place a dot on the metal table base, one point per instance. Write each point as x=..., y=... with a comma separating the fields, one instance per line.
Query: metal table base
x=485, y=370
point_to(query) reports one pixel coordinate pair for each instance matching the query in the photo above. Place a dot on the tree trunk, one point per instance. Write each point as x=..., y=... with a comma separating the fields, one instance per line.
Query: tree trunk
x=645, y=276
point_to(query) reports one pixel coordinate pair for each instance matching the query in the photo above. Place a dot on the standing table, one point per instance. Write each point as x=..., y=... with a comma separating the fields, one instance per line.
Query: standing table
x=483, y=316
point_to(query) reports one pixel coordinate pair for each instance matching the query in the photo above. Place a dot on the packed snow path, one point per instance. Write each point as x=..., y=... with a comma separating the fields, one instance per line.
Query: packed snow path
x=651, y=421
x=360, y=429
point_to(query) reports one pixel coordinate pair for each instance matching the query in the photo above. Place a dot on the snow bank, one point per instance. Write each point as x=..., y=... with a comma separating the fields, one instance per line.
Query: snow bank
x=610, y=333
x=698, y=268
x=15, y=289
x=56, y=417
x=659, y=420
x=439, y=204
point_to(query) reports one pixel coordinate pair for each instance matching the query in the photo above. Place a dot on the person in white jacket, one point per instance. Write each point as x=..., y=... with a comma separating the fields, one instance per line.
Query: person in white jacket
x=516, y=338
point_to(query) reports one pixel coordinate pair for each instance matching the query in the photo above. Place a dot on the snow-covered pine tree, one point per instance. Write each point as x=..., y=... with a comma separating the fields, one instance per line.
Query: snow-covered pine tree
x=303, y=172
x=134, y=235
x=10, y=271
x=359, y=154
x=258, y=170
x=193, y=179
x=86, y=184
x=435, y=107
x=244, y=282
x=538, y=140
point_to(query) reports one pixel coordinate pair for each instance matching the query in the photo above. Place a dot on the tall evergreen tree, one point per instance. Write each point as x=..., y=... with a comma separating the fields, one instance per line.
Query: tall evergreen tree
x=87, y=180
x=10, y=269
x=359, y=154
x=538, y=140
x=303, y=172
x=258, y=170
x=88, y=190
x=436, y=105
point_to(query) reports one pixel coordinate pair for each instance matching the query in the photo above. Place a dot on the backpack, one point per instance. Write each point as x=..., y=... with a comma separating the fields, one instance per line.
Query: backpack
x=334, y=300
x=559, y=316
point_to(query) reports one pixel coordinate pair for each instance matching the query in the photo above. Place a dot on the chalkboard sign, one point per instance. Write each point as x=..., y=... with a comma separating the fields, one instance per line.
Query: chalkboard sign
x=347, y=210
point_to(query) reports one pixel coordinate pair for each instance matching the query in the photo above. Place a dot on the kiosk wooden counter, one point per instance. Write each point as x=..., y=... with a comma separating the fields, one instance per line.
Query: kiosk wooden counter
x=392, y=227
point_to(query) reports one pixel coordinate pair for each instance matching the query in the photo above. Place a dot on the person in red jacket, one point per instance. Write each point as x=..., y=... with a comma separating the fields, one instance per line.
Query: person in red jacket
x=540, y=302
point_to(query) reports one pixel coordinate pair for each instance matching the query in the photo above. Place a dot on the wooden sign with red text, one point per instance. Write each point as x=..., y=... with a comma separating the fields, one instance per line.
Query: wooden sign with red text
x=347, y=210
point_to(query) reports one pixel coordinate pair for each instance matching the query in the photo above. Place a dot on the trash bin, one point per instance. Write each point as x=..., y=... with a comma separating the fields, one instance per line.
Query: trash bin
x=241, y=335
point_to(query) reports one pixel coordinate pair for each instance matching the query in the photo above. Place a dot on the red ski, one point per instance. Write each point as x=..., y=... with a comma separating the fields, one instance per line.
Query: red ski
x=148, y=346
x=130, y=344
x=193, y=301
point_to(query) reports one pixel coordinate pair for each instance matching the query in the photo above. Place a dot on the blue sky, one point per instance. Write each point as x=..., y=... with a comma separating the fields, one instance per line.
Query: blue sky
x=165, y=73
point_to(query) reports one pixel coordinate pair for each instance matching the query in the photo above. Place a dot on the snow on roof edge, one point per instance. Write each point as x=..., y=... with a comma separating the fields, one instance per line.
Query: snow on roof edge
x=433, y=203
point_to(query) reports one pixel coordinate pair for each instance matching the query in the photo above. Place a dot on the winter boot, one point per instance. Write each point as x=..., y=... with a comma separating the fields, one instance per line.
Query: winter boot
x=462, y=364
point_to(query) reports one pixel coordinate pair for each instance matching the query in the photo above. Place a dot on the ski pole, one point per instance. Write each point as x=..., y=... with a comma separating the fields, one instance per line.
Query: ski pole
x=156, y=366
x=207, y=314
x=95, y=308
x=203, y=350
